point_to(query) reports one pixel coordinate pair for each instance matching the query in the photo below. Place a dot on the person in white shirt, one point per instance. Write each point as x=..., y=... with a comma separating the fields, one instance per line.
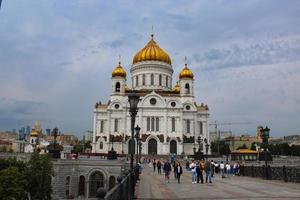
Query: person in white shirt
x=222, y=167
x=228, y=168
x=194, y=173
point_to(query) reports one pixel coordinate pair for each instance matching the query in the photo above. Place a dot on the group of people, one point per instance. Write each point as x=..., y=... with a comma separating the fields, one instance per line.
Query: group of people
x=198, y=169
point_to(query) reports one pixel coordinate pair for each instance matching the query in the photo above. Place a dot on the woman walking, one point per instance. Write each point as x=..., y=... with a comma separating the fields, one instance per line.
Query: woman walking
x=178, y=171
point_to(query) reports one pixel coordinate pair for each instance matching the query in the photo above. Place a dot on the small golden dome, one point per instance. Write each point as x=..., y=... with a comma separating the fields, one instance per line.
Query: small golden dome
x=126, y=87
x=176, y=88
x=119, y=71
x=186, y=73
x=34, y=133
x=151, y=52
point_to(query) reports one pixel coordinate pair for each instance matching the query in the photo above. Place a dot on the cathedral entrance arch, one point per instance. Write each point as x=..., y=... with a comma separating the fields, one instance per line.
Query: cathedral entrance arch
x=152, y=146
x=173, y=147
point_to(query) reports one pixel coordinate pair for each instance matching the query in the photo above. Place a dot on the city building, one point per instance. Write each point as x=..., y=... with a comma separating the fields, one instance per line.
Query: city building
x=63, y=139
x=219, y=135
x=169, y=117
x=88, y=136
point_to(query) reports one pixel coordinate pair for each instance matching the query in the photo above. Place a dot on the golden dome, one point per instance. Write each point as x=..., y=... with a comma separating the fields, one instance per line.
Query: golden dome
x=151, y=52
x=176, y=88
x=119, y=71
x=186, y=73
x=34, y=133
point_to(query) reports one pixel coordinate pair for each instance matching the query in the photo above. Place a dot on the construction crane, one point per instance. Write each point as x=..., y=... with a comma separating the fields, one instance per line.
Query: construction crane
x=224, y=124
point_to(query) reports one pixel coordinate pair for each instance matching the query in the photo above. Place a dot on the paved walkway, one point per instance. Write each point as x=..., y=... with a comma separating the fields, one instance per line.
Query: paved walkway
x=153, y=186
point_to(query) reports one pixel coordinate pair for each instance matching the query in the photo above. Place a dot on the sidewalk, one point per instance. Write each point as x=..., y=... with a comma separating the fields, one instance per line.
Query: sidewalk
x=153, y=186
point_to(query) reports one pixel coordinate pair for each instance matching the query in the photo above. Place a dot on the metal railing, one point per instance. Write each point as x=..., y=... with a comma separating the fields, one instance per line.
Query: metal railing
x=125, y=189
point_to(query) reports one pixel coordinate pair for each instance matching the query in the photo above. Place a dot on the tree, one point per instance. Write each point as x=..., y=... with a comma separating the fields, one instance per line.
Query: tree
x=12, y=184
x=40, y=171
x=253, y=146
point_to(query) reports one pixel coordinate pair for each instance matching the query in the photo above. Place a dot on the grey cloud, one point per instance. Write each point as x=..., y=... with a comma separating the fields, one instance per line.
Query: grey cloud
x=238, y=55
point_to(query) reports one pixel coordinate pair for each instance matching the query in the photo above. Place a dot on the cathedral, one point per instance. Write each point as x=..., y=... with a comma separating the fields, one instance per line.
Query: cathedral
x=170, y=119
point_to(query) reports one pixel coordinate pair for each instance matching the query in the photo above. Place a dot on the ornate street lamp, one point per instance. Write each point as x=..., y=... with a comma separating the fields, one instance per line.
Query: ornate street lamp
x=265, y=155
x=137, y=136
x=206, y=147
x=133, y=100
x=112, y=142
x=199, y=140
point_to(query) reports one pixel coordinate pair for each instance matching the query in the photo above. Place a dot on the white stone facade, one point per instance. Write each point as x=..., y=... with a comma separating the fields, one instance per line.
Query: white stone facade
x=166, y=116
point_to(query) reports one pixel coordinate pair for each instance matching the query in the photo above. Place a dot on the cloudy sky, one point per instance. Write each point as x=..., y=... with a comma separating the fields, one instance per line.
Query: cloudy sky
x=56, y=58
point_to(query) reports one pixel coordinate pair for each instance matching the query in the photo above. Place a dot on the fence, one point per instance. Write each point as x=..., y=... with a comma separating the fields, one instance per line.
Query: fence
x=285, y=173
x=124, y=190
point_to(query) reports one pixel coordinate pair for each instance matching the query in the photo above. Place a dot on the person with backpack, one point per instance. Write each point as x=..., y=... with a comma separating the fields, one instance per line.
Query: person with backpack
x=167, y=169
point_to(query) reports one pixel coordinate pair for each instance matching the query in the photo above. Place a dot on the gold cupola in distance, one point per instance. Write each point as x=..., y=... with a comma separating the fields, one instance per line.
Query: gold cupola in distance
x=151, y=52
x=119, y=71
x=186, y=73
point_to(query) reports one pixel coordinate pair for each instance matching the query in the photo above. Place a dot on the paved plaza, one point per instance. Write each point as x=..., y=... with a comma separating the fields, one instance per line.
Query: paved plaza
x=153, y=186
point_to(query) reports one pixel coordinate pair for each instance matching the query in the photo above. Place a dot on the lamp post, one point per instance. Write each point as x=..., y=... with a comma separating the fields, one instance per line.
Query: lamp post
x=112, y=142
x=140, y=148
x=206, y=147
x=133, y=100
x=265, y=155
x=199, y=140
x=137, y=136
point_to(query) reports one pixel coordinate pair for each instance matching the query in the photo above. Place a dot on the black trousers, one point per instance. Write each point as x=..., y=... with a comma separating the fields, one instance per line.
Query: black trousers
x=200, y=177
x=178, y=177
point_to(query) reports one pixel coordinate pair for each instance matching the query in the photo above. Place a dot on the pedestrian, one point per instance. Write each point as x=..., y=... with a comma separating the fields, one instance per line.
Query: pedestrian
x=228, y=168
x=208, y=169
x=167, y=169
x=178, y=171
x=222, y=168
x=174, y=168
x=154, y=164
x=198, y=171
x=158, y=167
x=212, y=168
x=201, y=170
x=193, y=170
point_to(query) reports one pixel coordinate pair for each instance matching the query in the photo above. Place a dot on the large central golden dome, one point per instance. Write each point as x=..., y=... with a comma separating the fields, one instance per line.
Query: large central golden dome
x=151, y=52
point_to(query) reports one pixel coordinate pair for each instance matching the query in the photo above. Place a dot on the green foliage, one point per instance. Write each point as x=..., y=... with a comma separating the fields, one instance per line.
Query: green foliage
x=223, y=147
x=40, y=170
x=284, y=149
x=253, y=147
x=18, y=178
x=12, y=184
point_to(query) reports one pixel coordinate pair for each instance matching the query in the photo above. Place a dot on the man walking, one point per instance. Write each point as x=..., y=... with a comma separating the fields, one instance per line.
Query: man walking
x=208, y=169
x=167, y=169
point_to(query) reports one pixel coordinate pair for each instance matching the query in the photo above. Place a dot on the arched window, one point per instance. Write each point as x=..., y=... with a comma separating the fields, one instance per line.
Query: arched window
x=96, y=181
x=144, y=79
x=101, y=126
x=116, y=125
x=112, y=182
x=173, y=124
x=188, y=126
x=167, y=81
x=67, y=186
x=137, y=81
x=157, y=124
x=118, y=87
x=152, y=79
x=101, y=145
x=81, y=186
x=187, y=88
x=160, y=80
x=152, y=124
x=148, y=123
